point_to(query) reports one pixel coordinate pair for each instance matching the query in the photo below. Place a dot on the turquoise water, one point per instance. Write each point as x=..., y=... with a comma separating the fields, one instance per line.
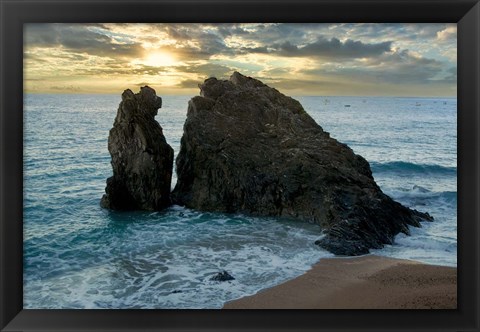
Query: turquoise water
x=77, y=255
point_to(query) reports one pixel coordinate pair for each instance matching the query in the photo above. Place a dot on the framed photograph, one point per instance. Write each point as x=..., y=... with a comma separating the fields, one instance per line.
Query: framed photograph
x=179, y=165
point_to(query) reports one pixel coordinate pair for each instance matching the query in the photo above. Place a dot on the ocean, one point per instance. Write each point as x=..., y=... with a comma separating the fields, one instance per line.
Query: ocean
x=78, y=255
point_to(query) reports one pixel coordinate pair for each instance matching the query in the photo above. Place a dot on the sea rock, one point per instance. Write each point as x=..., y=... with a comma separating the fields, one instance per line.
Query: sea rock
x=142, y=161
x=222, y=276
x=248, y=148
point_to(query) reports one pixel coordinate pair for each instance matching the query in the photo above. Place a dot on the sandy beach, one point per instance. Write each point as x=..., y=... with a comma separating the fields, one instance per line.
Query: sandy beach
x=367, y=282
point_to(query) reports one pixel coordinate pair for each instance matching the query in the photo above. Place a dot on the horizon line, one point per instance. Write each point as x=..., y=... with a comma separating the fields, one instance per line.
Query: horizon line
x=293, y=95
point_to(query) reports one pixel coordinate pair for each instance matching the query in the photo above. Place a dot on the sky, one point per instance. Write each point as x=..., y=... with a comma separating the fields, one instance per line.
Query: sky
x=371, y=59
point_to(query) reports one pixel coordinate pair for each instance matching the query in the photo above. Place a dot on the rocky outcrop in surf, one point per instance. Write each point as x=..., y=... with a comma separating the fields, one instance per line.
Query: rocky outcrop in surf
x=142, y=161
x=222, y=276
x=248, y=148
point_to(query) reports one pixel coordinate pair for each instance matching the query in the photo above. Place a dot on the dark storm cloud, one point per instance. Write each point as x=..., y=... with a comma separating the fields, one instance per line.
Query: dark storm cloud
x=41, y=34
x=289, y=40
x=78, y=38
x=397, y=68
x=349, y=49
x=208, y=45
x=313, y=36
x=186, y=32
x=268, y=34
x=178, y=32
x=228, y=30
x=210, y=39
x=195, y=41
x=324, y=48
x=402, y=67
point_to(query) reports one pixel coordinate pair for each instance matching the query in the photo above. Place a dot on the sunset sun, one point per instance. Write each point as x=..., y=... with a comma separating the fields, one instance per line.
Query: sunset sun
x=159, y=59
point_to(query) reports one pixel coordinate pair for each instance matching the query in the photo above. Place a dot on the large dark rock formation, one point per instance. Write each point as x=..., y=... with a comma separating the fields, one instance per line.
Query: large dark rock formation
x=142, y=160
x=248, y=148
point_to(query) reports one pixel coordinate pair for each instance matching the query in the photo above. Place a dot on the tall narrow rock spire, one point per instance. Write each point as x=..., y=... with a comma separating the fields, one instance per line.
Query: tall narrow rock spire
x=142, y=161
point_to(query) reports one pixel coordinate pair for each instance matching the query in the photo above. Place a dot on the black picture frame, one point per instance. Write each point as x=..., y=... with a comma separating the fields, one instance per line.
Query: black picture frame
x=14, y=13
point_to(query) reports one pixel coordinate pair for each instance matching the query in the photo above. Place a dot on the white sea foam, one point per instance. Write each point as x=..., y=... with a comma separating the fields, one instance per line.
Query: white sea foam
x=159, y=269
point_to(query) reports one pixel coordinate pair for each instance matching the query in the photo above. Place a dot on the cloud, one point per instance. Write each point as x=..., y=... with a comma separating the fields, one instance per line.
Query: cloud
x=189, y=84
x=311, y=84
x=397, y=67
x=312, y=57
x=143, y=84
x=451, y=75
x=195, y=41
x=334, y=48
x=403, y=67
x=137, y=70
x=449, y=33
x=206, y=69
x=278, y=71
x=227, y=30
x=272, y=33
x=65, y=88
x=324, y=48
x=386, y=31
x=77, y=38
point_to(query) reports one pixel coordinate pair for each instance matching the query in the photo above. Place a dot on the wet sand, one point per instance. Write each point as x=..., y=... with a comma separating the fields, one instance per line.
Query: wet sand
x=367, y=282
